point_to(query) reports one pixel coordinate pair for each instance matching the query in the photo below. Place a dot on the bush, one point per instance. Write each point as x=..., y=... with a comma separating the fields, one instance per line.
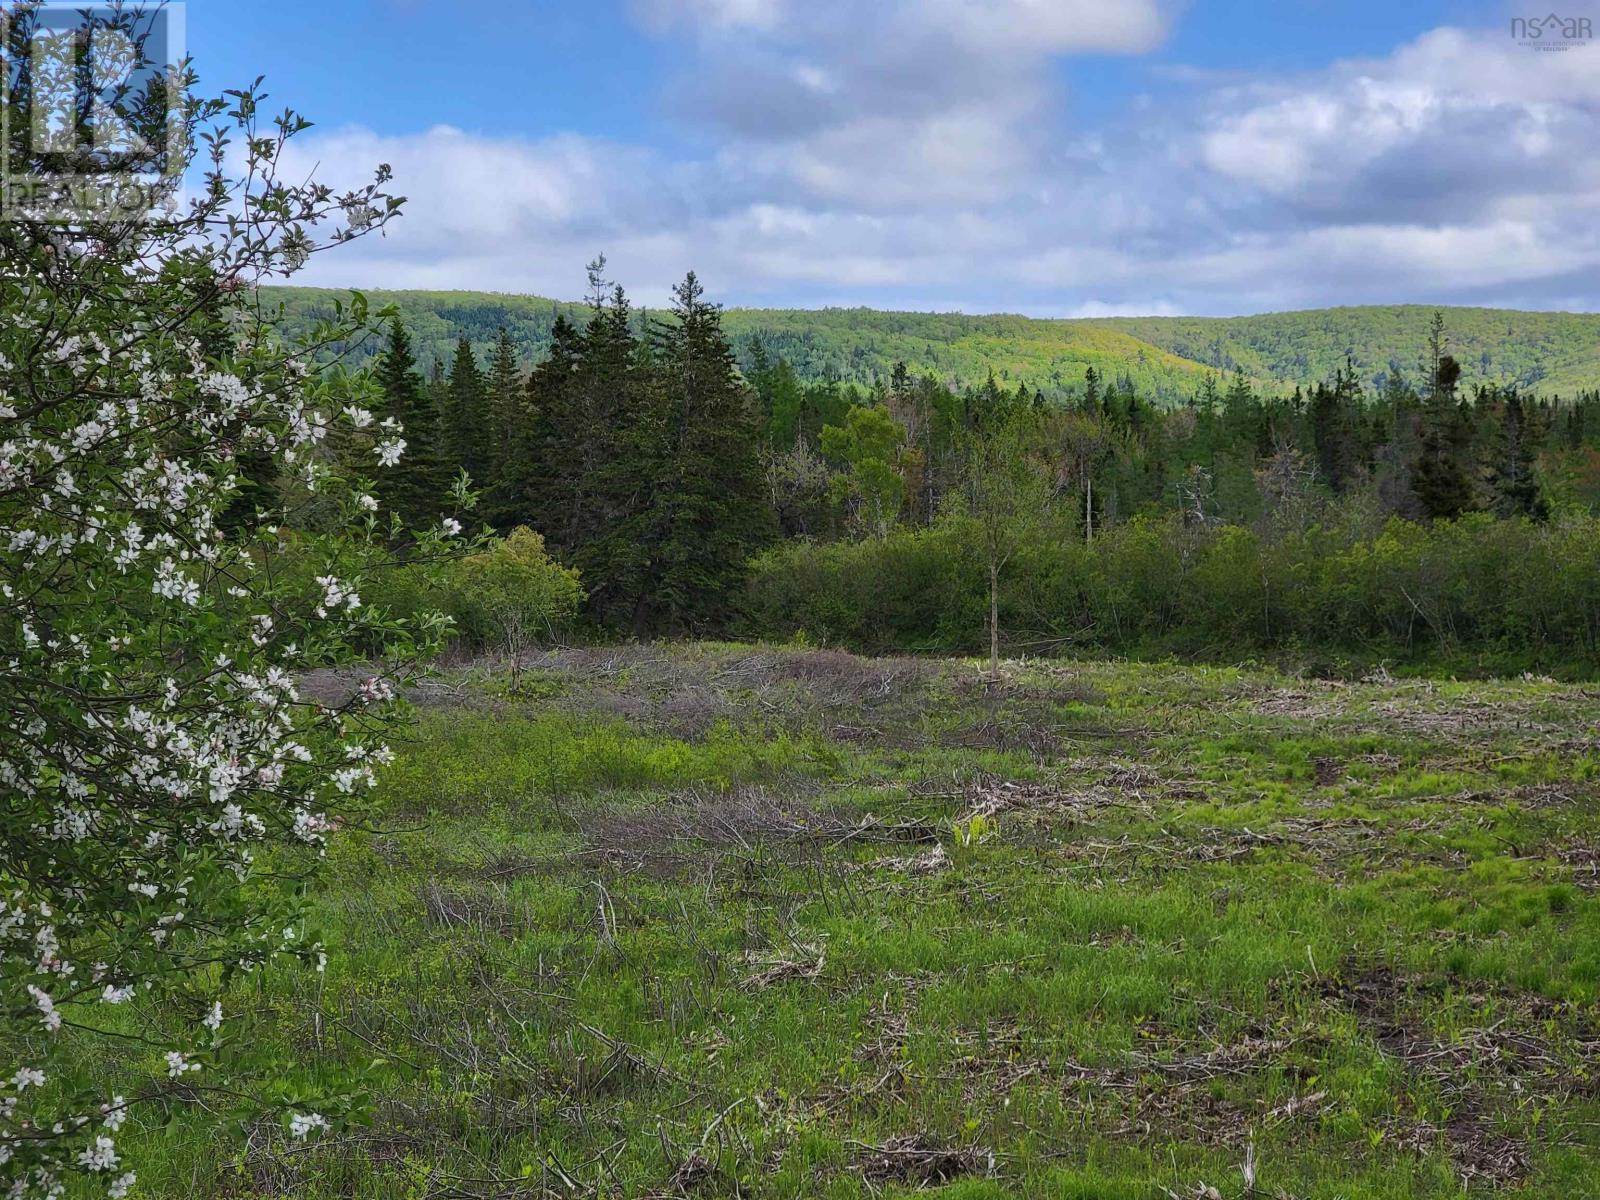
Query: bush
x=910, y=590
x=509, y=596
x=1496, y=594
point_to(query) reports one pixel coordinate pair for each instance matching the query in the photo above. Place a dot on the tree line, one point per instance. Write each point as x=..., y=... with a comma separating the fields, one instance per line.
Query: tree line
x=636, y=455
x=656, y=466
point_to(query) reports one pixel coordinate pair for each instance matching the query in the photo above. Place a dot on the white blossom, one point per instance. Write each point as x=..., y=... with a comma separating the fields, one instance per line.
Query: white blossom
x=178, y=1065
x=303, y=1125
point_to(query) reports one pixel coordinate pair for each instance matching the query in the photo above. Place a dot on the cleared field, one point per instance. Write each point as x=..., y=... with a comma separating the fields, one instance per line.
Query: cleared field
x=714, y=921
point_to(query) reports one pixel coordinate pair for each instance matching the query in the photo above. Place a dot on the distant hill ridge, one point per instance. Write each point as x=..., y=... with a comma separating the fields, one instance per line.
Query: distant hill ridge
x=1164, y=357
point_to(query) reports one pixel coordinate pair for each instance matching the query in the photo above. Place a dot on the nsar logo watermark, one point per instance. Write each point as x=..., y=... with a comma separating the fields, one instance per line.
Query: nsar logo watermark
x=1552, y=31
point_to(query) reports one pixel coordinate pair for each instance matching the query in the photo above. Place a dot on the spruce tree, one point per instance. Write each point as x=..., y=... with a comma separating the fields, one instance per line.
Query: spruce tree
x=1333, y=415
x=608, y=437
x=1512, y=477
x=506, y=410
x=415, y=487
x=466, y=415
x=707, y=510
x=1440, y=479
x=541, y=476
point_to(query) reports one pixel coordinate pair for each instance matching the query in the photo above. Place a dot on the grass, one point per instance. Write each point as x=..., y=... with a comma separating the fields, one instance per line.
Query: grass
x=717, y=921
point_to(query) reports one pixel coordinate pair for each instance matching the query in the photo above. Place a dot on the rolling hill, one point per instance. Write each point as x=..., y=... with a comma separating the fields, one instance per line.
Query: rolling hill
x=1548, y=352
x=1164, y=357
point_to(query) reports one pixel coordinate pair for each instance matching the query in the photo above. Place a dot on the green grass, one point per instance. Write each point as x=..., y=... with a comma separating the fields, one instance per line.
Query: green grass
x=719, y=921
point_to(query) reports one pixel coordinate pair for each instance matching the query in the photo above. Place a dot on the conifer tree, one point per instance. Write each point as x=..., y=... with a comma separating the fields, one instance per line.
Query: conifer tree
x=1091, y=391
x=707, y=512
x=608, y=436
x=780, y=396
x=415, y=490
x=1333, y=415
x=541, y=475
x=506, y=409
x=466, y=415
x=1440, y=479
x=1512, y=477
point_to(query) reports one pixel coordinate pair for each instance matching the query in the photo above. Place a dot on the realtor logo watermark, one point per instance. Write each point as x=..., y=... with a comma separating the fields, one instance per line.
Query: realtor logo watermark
x=1552, y=31
x=90, y=121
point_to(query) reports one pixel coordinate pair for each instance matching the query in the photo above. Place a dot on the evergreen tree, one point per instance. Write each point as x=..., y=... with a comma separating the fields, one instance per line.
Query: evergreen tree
x=506, y=415
x=1512, y=478
x=541, y=482
x=708, y=511
x=415, y=487
x=609, y=436
x=1440, y=479
x=1333, y=415
x=1243, y=416
x=780, y=396
x=467, y=439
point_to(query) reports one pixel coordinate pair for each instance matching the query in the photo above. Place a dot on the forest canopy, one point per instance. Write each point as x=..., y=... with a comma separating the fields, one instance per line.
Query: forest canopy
x=1547, y=353
x=703, y=477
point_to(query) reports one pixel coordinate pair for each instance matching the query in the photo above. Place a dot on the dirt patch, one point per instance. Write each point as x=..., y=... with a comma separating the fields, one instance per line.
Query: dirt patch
x=1036, y=733
x=1188, y=1086
x=921, y=1160
x=1032, y=800
x=838, y=676
x=1533, y=1050
x=1584, y=862
x=1422, y=710
x=1326, y=771
x=1047, y=682
x=687, y=827
x=802, y=962
x=686, y=695
x=1309, y=700
x=470, y=908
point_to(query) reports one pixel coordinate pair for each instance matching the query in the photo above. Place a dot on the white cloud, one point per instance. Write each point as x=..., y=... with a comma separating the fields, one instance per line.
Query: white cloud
x=1101, y=308
x=1446, y=125
x=909, y=154
x=718, y=15
x=897, y=102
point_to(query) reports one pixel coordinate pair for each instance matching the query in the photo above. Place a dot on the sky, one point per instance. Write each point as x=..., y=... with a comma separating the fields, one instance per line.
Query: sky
x=1052, y=157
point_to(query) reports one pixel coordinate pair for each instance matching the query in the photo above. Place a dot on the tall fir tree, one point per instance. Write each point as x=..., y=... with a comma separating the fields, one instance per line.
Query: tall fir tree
x=1441, y=479
x=707, y=510
x=507, y=413
x=608, y=438
x=1513, y=479
x=780, y=397
x=540, y=480
x=415, y=487
x=1090, y=402
x=467, y=437
x=548, y=482
x=1333, y=415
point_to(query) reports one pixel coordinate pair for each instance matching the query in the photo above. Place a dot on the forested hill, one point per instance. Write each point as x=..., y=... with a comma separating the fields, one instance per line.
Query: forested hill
x=1163, y=357
x=1546, y=352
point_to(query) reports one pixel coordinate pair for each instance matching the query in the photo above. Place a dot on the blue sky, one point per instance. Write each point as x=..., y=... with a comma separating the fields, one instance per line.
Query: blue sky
x=1057, y=157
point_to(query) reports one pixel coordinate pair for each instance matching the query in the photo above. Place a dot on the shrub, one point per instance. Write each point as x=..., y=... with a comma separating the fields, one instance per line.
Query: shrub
x=1512, y=594
x=511, y=594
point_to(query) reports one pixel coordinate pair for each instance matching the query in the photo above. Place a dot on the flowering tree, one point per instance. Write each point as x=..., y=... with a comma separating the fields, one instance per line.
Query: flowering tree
x=163, y=788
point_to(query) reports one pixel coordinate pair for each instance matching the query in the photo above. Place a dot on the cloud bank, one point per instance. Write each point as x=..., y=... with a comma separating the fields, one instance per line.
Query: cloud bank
x=923, y=155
